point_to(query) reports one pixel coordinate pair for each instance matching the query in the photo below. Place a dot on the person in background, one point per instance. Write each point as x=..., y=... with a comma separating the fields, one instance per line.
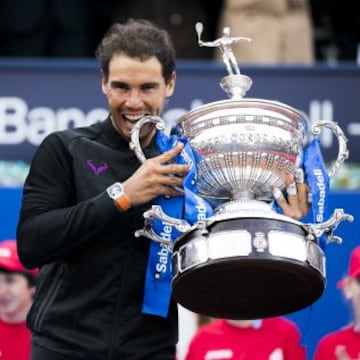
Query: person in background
x=269, y=339
x=344, y=343
x=83, y=200
x=281, y=30
x=17, y=288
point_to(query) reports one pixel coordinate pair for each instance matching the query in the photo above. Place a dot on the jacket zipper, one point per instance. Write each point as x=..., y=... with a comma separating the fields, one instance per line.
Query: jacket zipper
x=49, y=298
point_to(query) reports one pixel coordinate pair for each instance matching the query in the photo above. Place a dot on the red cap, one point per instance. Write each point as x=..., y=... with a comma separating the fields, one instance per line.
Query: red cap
x=354, y=265
x=9, y=258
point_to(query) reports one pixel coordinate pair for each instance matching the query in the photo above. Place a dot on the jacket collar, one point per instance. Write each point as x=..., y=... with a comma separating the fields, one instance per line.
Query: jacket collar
x=117, y=141
x=109, y=131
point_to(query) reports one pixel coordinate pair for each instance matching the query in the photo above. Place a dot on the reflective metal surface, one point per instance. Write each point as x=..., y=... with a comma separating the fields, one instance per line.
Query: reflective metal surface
x=247, y=146
x=246, y=261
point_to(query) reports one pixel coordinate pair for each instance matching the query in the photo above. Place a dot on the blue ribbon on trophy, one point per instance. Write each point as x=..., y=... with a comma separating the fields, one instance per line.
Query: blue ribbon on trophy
x=190, y=207
x=318, y=181
x=317, y=178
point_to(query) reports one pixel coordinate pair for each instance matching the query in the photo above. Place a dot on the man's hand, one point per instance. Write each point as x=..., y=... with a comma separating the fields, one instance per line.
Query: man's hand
x=296, y=204
x=156, y=176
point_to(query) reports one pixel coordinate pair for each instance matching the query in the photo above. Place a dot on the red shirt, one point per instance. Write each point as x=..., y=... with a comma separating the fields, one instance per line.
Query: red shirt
x=220, y=340
x=346, y=336
x=14, y=341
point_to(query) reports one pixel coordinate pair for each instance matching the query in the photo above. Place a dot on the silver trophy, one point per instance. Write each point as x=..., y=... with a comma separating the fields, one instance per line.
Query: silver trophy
x=246, y=261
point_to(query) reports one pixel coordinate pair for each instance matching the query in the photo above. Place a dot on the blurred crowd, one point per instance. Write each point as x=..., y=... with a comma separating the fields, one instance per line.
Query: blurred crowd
x=302, y=31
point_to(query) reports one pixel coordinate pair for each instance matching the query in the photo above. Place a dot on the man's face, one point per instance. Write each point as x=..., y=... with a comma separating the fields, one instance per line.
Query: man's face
x=15, y=296
x=134, y=89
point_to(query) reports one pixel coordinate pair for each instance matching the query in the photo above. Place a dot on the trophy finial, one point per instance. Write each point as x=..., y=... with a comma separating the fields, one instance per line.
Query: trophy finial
x=235, y=84
x=224, y=44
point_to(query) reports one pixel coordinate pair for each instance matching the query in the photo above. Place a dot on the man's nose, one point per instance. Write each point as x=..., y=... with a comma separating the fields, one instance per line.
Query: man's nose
x=134, y=99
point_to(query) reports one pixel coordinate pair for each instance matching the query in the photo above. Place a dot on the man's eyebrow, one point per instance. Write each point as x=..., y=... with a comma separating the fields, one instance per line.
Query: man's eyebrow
x=117, y=83
x=153, y=84
x=125, y=84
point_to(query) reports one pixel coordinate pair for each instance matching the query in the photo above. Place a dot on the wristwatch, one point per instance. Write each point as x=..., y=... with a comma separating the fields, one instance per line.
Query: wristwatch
x=117, y=193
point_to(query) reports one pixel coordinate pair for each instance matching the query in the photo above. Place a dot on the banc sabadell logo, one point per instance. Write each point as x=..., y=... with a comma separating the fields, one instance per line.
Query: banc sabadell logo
x=20, y=124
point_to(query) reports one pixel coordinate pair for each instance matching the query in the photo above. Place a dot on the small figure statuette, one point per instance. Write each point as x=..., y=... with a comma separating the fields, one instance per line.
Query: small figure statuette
x=225, y=45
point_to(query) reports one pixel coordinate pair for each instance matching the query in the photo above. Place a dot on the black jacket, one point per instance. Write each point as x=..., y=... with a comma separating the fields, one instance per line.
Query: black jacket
x=90, y=290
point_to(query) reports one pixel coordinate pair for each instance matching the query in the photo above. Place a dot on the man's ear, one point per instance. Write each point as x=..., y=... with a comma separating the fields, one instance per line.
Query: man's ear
x=170, y=86
x=103, y=83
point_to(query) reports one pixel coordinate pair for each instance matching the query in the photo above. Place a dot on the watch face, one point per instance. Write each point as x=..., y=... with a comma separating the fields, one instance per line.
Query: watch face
x=115, y=191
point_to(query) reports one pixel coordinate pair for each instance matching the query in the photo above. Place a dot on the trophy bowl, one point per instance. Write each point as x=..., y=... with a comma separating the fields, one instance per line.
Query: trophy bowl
x=246, y=146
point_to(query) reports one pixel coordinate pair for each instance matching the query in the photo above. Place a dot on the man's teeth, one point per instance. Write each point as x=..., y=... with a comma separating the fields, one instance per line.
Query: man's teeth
x=133, y=117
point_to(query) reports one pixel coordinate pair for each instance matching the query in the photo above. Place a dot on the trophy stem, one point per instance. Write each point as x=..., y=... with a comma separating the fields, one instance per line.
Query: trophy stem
x=236, y=86
x=243, y=194
x=250, y=207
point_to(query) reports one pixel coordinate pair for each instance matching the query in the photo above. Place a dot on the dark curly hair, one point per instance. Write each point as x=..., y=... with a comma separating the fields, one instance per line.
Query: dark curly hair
x=137, y=39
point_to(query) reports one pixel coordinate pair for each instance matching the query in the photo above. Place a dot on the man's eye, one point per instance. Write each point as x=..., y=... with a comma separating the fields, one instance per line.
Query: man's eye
x=148, y=87
x=119, y=86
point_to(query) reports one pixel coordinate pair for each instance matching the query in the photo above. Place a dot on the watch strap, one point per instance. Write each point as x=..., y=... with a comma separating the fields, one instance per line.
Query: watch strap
x=122, y=203
x=117, y=193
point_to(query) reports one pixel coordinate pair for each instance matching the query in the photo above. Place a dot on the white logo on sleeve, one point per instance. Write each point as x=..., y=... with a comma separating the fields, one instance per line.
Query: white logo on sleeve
x=219, y=354
x=277, y=354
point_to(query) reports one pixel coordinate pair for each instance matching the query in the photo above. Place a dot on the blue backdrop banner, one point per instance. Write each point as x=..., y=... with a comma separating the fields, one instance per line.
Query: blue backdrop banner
x=39, y=97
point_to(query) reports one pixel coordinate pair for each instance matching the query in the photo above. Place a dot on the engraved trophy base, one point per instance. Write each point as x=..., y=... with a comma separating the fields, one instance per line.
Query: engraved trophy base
x=250, y=266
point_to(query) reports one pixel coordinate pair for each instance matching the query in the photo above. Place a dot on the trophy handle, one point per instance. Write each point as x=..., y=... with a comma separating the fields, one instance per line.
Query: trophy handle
x=156, y=213
x=328, y=227
x=135, y=134
x=343, y=152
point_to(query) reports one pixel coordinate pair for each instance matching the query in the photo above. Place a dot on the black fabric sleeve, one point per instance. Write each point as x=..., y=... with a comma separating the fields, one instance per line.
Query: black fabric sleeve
x=52, y=223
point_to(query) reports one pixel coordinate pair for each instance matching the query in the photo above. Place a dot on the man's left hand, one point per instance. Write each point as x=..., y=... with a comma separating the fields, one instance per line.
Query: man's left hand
x=296, y=204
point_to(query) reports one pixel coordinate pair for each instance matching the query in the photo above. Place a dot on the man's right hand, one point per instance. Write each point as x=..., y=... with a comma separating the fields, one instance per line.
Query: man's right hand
x=156, y=176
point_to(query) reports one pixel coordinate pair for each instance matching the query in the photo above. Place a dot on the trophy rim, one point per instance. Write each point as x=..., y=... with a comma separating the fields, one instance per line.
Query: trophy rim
x=272, y=105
